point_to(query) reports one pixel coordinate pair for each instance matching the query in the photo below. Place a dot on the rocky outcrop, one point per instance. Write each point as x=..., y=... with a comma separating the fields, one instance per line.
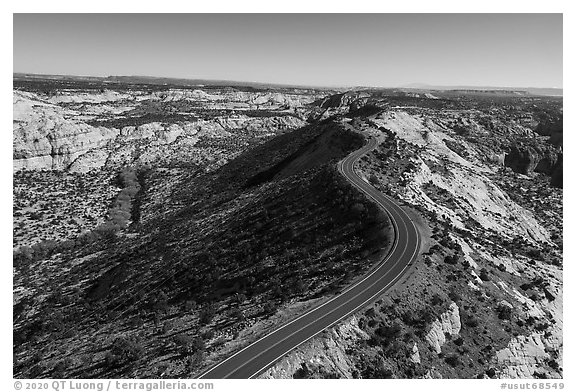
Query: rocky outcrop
x=326, y=354
x=48, y=134
x=448, y=324
x=552, y=126
x=338, y=101
x=522, y=357
x=272, y=100
x=474, y=196
x=414, y=354
x=525, y=159
x=91, y=97
x=44, y=137
x=347, y=102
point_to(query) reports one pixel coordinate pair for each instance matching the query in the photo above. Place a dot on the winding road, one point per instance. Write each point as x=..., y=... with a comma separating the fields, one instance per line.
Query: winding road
x=260, y=355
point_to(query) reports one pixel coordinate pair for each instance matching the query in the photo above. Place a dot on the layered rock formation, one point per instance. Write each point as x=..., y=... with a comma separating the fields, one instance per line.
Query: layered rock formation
x=46, y=136
x=53, y=133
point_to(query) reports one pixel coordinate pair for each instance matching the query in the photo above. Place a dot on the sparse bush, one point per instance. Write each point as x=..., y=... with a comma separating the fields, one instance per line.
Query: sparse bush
x=386, y=334
x=437, y=300
x=453, y=360
x=207, y=314
x=195, y=360
x=454, y=295
x=183, y=343
x=504, y=312
x=472, y=322
x=124, y=350
x=452, y=260
x=303, y=372
x=554, y=364
x=269, y=307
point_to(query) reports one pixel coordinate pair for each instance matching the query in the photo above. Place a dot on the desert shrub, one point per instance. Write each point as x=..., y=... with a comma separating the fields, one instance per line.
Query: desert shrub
x=106, y=230
x=454, y=295
x=409, y=318
x=554, y=364
x=183, y=343
x=303, y=372
x=452, y=260
x=124, y=350
x=190, y=305
x=471, y=321
x=358, y=209
x=437, y=300
x=453, y=360
x=195, y=360
x=269, y=307
x=160, y=301
x=386, y=334
x=534, y=253
x=207, y=335
x=207, y=314
x=375, y=369
x=549, y=296
x=35, y=371
x=237, y=314
x=504, y=312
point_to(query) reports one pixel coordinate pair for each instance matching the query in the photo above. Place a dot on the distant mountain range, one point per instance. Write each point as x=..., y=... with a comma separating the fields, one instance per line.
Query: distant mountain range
x=548, y=91
x=134, y=79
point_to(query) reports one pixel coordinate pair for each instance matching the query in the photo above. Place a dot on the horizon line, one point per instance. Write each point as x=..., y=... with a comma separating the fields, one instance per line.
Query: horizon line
x=413, y=85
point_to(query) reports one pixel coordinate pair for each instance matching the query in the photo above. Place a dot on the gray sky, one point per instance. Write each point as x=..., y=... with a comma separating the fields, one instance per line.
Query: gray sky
x=516, y=50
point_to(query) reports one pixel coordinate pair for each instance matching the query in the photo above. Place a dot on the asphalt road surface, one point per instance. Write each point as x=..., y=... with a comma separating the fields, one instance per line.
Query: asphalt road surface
x=260, y=355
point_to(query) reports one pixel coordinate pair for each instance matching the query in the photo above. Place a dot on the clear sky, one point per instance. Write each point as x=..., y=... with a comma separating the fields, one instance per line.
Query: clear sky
x=507, y=50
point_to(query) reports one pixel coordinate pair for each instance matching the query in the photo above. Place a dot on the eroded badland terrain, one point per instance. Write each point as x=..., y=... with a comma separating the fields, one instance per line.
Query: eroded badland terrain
x=159, y=228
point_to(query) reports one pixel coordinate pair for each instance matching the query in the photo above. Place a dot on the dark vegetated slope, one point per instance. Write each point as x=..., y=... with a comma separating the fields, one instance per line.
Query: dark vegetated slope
x=222, y=244
x=367, y=110
x=285, y=148
x=331, y=143
x=229, y=254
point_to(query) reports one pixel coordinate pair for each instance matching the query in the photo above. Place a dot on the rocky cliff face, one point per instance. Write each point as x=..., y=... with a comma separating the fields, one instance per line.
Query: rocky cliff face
x=53, y=132
x=47, y=137
x=337, y=104
x=471, y=195
x=322, y=356
x=525, y=159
